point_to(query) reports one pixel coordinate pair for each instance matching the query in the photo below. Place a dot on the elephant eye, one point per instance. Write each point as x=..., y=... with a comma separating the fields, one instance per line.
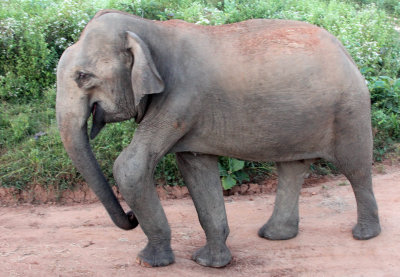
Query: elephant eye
x=82, y=75
x=84, y=80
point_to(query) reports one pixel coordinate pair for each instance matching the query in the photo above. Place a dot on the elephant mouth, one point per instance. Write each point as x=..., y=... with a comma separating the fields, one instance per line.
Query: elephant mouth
x=93, y=112
x=98, y=122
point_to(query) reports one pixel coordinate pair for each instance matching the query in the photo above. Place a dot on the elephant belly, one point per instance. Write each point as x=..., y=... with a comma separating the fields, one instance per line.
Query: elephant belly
x=264, y=133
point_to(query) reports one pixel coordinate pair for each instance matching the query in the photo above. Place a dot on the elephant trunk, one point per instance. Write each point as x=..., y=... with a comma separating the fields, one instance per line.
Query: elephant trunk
x=72, y=123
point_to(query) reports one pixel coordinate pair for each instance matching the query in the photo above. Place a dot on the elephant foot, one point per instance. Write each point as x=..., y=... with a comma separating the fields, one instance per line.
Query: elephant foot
x=213, y=256
x=366, y=231
x=154, y=256
x=278, y=231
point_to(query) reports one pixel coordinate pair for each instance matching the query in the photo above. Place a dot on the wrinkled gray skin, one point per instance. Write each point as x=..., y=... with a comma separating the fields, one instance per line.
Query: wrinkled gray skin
x=264, y=90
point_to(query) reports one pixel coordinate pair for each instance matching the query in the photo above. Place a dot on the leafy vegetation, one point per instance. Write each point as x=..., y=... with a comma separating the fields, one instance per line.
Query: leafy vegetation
x=385, y=99
x=232, y=172
x=391, y=6
x=33, y=35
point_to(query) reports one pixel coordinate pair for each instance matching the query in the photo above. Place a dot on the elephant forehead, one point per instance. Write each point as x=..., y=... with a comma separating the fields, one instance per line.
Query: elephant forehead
x=100, y=41
x=101, y=29
x=97, y=62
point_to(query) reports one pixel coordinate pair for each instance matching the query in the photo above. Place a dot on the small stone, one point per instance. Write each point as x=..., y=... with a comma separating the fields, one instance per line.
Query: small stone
x=243, y=188
x=253, y=189
x=263, y=188
x=176, y=192
x=185, y=191
x=236, y=190
x=40, y=134
x=162, y=193
x=40, y=194
x=90, y=196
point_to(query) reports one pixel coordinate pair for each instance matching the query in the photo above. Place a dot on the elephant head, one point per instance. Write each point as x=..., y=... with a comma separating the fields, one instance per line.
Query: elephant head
x=107, y=75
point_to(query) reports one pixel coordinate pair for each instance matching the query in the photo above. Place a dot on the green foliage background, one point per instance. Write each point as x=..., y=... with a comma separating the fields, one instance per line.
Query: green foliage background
x=34, y=33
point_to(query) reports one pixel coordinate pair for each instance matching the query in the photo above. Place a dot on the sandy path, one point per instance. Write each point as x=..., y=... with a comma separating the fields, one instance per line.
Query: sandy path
x=80, y=240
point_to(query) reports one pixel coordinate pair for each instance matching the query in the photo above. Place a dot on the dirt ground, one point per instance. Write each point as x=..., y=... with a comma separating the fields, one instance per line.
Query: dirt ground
x=81, y=240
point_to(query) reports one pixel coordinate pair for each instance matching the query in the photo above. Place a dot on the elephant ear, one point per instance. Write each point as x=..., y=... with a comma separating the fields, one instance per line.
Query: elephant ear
x=145, y=77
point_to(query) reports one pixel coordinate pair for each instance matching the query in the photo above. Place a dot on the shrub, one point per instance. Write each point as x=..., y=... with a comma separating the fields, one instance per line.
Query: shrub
x=167, y=172
x=41, y=159
x=33, y=35
x=64, y=23
x=391, y=6
x=385, y=99
x=25, y=60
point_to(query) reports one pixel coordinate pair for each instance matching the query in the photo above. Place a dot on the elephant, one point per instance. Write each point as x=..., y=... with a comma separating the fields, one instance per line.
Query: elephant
x=260, y=90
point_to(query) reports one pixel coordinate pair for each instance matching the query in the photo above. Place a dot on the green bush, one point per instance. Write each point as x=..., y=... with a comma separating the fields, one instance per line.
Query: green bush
x=391, y=6
x=167, y=172
x=33, y=35
x=385, y=99
x=25, y=60
x=35, y=151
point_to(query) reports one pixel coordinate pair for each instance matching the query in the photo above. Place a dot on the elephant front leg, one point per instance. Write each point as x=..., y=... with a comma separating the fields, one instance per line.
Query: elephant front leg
x=133, y=171
x=284, y=222
x=201, y=175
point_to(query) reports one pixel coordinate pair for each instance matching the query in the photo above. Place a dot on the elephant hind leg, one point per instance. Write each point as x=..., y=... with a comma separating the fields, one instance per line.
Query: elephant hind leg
x=284, y=222
x=201, y=175
x=368, y=225
x=356, y=166
x=353, y=145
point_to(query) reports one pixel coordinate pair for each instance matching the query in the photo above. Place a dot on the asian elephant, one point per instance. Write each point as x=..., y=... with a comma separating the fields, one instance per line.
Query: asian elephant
x=263, y=90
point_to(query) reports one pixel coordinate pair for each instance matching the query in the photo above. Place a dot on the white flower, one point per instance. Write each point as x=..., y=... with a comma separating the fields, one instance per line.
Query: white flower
x=203, y=21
